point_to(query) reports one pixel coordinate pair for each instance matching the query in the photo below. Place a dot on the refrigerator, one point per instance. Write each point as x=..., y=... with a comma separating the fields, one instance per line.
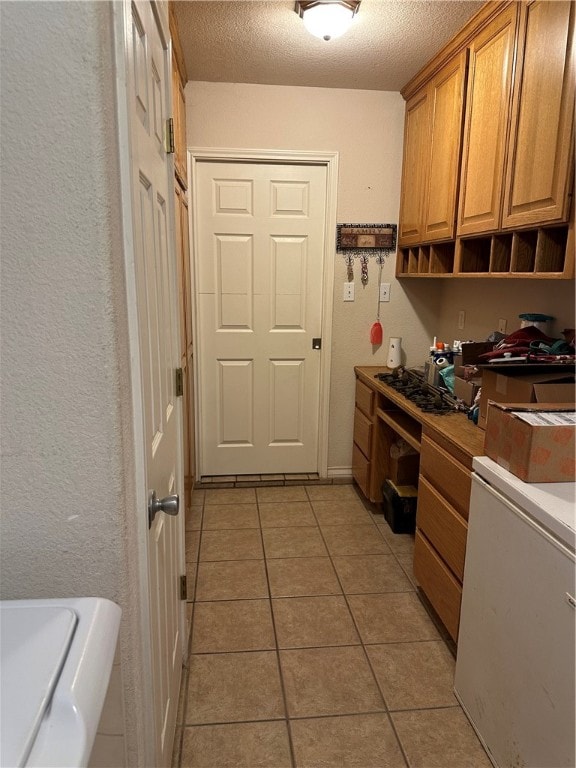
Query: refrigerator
x=515, y=665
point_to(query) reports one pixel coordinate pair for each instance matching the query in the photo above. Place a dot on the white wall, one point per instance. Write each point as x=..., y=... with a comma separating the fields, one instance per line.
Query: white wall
x=366, y=129
x=67, y=460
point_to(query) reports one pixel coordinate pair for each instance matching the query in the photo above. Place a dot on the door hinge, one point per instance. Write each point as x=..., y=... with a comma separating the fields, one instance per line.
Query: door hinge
x=183, y=588
x=179, y=382
x=169, y=136
x=316, y=343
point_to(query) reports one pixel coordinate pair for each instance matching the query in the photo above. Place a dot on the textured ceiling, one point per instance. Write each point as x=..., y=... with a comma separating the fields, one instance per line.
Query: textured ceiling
x=255, y=41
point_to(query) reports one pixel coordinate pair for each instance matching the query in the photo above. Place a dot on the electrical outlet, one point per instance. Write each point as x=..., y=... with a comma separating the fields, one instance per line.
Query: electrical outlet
x=384, y=291
x=461, y=319
x=502, y=323
x=348, y=292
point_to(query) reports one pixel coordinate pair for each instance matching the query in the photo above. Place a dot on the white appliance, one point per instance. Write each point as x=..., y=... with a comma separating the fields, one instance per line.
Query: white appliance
x=515, y=669
x=55, y=662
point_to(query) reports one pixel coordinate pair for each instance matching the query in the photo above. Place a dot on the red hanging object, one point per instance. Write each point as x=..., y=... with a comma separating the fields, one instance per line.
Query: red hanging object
x=376, y=330
x=376, y=333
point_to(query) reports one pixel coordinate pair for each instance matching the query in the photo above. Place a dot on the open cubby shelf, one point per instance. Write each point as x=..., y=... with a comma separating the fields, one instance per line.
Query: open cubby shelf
x=432, y=260
x=528, y=253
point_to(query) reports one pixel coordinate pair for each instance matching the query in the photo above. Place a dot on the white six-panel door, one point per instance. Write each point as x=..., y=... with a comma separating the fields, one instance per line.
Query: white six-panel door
x=259, y=275
x=157, y=298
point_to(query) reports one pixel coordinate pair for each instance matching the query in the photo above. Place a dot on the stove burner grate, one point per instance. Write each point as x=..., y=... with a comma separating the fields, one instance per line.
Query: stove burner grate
x=411, y=384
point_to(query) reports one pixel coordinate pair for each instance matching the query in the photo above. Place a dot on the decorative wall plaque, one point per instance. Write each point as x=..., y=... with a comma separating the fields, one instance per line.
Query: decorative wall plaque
x=366, y=240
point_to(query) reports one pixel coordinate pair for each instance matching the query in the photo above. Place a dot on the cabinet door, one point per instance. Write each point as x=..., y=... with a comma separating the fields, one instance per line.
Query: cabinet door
x=486, y=125
x=446, y=97
x=185, y=314
x=414, y=168
x=179, y=118
x=180, y=135
x=539, y=173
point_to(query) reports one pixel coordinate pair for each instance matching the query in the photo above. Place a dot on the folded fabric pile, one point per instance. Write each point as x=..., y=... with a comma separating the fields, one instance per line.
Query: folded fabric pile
x=531, y=343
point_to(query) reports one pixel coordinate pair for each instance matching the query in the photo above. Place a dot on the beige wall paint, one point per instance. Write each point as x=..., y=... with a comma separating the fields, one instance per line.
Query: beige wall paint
x=486, y=301
x=366, y=129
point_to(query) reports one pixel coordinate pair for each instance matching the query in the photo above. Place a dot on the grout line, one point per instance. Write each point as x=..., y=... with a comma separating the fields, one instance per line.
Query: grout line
x=277, y=649
x=362, y=645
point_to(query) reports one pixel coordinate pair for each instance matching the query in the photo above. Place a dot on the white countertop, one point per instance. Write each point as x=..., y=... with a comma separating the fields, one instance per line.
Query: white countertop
x=553, y=505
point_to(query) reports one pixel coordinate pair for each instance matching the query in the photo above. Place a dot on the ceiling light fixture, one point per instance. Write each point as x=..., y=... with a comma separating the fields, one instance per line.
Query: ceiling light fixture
x=327, y=18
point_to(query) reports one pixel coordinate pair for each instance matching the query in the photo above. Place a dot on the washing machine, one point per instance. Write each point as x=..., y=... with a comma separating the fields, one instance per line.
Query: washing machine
x=55, y=662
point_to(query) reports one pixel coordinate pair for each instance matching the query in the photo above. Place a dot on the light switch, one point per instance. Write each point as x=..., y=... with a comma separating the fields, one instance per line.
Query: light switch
x=384, y=291
x=348, y=291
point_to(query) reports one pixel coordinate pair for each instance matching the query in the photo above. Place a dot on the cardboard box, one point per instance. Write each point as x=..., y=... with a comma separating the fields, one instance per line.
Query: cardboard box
x=536, y=442
x=471, y=351
x=466, y=389
x=551, y=387
x=404, y=469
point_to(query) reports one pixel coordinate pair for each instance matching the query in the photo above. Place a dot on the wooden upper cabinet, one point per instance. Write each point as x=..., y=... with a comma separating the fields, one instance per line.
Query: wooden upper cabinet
x=414, y=168
x=488, y=99
x=540, y=154
x=446, y=103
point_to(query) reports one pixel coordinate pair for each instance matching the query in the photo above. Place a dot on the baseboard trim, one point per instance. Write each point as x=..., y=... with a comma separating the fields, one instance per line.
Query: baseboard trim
x=339, y=471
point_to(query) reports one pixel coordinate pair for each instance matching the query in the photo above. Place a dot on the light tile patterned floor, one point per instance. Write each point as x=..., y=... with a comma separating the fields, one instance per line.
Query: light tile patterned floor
x=310, y=647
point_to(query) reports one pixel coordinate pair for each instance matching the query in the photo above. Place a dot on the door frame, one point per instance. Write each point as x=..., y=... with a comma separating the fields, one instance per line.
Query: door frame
x=288, y=157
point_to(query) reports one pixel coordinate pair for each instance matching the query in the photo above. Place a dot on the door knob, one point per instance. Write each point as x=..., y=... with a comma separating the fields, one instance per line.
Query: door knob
x=169, y=505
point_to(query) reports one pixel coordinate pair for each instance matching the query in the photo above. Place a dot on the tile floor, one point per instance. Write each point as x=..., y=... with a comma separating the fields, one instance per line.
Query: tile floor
x=309, y=644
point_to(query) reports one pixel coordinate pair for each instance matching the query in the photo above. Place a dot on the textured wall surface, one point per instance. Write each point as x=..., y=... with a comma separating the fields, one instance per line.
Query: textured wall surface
x=66, y=438
x=61, y=442
x=485, y=301
x=366, y=129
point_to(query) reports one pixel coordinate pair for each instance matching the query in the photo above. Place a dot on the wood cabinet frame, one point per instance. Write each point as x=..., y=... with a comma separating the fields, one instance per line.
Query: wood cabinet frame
x=536, y=192
x=519, y=229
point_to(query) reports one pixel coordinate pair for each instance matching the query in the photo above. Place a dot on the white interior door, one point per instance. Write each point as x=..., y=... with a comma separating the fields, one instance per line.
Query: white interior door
x=157, y=301
x=260, y=231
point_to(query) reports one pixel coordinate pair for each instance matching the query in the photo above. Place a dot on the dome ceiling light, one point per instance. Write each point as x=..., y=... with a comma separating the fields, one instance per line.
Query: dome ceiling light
x=327, y=19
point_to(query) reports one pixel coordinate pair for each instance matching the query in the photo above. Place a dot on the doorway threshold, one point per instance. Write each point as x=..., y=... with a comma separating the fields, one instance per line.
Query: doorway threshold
x=262, y=481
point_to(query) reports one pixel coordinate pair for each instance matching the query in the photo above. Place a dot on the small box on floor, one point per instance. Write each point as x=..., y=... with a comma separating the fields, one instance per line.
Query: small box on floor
x=404, y=463
x=399, y=506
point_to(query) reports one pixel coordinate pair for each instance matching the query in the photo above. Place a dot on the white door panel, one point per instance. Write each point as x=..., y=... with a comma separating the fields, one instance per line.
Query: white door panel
x=260, y=261
x=157, y=298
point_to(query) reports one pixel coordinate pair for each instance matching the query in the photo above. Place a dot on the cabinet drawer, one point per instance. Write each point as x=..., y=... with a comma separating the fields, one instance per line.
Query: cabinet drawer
x=443, y=527
x=438, y=584
x=446, y=474
x=361, y=470
x=364, y=398
x=362, y=432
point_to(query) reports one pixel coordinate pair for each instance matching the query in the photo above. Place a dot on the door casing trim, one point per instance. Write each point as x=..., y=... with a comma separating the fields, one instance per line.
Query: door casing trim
x=330, y=161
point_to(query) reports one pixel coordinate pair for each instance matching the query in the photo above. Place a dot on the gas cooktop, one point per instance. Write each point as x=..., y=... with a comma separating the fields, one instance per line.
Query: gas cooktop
x=410, y=383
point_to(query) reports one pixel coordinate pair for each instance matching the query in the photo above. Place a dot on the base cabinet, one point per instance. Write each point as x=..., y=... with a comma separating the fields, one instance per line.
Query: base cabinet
x=442, y=451
x=442, y=528
x=362, y=448
x=438, y=583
